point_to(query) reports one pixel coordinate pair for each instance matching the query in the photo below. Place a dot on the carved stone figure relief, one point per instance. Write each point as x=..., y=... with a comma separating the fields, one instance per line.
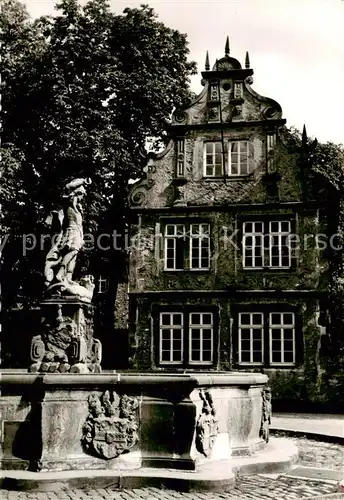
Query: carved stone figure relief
x=214, y=92
x=207, y=425
x=266, y=414
x=214, y=113
x=236, y=111
x=111, y=426
x=238, y=90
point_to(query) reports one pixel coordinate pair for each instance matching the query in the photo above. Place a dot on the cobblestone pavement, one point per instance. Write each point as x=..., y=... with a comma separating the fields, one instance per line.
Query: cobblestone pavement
x=260, y=487
x=248, y=488
x=314, y=453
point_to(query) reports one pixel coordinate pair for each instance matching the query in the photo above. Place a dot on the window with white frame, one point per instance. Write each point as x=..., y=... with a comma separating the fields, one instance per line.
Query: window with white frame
x=103, y=284
x=273, y=331
x=171, y=338
x=201, y=330
x=186, y=338
x=267, y=244
x=175, y=236
x=253, y=244
x=251, y=338
x=199, y=246
x=270, y=156
x=187, y=246
x=213, y=159
x=279, y=244
x=238, y=158
x=236, y=154
x=282, y=338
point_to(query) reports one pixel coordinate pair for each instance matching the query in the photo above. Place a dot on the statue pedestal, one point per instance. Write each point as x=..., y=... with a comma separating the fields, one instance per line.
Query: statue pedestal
x=66, y=342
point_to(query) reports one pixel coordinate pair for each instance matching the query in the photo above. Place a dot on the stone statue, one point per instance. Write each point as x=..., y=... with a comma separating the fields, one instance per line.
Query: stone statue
x=67, y=242
x=65, y=341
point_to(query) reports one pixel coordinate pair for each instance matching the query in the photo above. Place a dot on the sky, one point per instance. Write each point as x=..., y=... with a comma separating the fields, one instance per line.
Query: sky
x=296, y=50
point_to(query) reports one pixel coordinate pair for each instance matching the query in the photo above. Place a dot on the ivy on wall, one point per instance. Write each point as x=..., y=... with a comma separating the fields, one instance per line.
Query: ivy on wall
x=322, y=170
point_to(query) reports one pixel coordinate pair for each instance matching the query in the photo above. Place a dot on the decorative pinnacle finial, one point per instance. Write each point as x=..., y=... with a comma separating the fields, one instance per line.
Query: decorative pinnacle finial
x=207, y=64
x=227, y=46
x=304, y=135
x=247, y=60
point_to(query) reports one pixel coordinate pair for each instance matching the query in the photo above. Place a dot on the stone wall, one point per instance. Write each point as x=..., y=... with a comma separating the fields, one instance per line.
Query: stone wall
x=310, y=272
x=162, y=191
x=305, y=382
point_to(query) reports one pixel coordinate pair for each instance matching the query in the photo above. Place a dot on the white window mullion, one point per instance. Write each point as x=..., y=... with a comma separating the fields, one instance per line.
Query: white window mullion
x=195, y=245
x=251, y=345
x=254, y=247
x=198, y=355
x=271, y=243
x=199, y=233
x=171, y=344
x=238, y=163
x=270, y=343
x=198, y=246
x=250, y=323
x=251, y=257
x=205, y=237
x=284, y=323
x=276, y=236
x=201, y=343
x=168, y=242
x=174, y=233
x=212, y=159
x=174, y=252
x=171, y=333
x=294, y=344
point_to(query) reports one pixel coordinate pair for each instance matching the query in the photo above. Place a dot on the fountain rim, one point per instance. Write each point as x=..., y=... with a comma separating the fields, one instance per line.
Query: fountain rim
x=195, y=379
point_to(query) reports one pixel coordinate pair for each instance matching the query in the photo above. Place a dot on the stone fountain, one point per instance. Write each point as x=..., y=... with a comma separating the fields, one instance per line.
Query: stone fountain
x=65, y=423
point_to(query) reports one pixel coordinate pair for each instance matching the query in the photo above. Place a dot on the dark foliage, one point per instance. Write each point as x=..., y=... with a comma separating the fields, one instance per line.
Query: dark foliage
x=82, y=92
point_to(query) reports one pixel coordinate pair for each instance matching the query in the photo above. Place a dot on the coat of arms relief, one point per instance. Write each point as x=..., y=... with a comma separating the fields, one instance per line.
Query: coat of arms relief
x=111, y=426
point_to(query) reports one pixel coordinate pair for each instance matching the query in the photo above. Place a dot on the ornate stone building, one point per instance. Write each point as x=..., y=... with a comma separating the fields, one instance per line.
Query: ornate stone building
x=225, y=272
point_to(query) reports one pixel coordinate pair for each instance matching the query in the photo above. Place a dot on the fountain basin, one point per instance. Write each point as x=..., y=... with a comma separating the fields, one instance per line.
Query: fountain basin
x=131, y=422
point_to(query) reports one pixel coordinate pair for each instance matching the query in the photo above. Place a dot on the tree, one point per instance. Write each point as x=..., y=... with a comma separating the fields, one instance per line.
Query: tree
x=322, y=168
x=82, y=91
x=325, y=163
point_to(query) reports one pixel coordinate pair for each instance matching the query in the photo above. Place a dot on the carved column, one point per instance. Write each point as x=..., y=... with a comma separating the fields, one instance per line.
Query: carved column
x=66, y=342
